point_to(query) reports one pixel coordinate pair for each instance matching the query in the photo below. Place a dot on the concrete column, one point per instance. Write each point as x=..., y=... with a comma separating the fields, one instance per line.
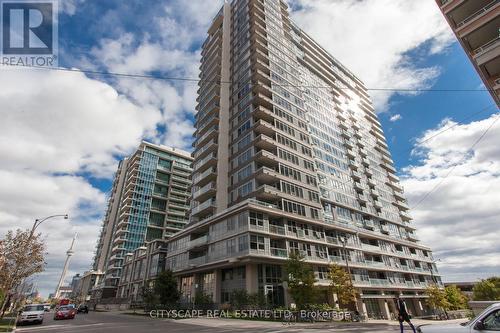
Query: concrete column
x=217, y=288
x=251, y=278
x=333, y=299
x=286, y=295
x=362, y=307
x=384, y=308
x=224, y=115
x=418, y=307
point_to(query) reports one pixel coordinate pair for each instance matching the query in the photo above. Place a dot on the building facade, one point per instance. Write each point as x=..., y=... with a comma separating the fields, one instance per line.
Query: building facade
x=290, y=156
x=149, y=200
x=141, y=268
x=86, y=286
x=476, y=24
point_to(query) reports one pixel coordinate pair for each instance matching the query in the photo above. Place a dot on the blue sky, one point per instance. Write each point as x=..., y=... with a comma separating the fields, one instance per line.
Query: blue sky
x=74, y=128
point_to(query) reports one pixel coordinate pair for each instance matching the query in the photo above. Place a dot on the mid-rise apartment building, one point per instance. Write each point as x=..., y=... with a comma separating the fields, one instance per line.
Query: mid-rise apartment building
x=290, y=156
x=141, y=268
x=476, y=24
x=149, y=200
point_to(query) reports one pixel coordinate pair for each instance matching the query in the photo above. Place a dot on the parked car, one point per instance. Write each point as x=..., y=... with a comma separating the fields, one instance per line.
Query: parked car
x=83, y=308
x=32, y=313
x=487, y=321
x=65, y=312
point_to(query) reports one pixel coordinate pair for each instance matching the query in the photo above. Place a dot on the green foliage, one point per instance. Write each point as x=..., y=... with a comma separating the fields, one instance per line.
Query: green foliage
x=165, y=288
x=487, y=290
x=455, y=297
x=202, y=299
x=437, y=298
x=256, y=300
x=341, y=286
x=21, y=256
x=321, y=307
x=301, y=279
x=239, y=298
x=149, y=296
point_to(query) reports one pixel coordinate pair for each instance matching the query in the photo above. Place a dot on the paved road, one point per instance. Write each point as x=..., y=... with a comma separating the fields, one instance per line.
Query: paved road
x=110, y=322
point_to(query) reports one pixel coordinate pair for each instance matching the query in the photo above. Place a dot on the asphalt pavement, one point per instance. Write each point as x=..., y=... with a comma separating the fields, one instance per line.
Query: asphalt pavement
x=116, y=322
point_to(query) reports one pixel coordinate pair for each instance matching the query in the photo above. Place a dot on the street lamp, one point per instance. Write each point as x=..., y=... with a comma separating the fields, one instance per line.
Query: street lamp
x=343, y=240
x=40, y=221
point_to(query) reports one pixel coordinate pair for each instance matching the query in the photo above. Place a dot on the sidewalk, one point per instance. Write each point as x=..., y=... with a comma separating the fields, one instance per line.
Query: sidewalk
x=240, y=323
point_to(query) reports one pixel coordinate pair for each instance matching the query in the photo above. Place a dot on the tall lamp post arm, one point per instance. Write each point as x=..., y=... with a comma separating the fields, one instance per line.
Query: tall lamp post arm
x=40, y=221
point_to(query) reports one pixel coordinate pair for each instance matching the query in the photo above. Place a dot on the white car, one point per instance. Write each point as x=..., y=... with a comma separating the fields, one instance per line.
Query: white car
x=32, y=313
x=487, y=321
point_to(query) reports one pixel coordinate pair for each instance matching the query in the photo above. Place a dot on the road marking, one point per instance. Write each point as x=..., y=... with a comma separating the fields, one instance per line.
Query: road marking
x=49, y=327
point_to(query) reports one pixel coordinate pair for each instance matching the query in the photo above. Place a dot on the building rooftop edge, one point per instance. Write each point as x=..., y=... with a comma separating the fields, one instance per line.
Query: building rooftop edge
x=171, y=150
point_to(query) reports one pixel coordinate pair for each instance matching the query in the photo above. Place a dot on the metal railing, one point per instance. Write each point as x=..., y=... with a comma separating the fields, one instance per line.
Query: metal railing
x=486, y=47
x=478, y=13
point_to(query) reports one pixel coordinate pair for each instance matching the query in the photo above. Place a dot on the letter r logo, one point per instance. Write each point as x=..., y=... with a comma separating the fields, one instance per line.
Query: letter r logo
x=27, y=27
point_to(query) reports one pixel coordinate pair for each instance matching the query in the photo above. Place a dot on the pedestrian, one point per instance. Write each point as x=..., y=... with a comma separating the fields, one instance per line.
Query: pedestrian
x=403, y=315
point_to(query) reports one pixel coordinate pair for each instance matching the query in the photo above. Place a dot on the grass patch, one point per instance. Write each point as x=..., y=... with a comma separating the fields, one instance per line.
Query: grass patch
x=6, y=324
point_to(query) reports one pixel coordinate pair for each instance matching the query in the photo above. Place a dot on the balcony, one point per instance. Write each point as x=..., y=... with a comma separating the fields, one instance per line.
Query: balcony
x=368, y=224
x=374, y=263
x=210, y=133
x=209, y=160
x=201, y=241
x=198, y=261
x=263, y=127
x=355, y=175
x=402, y=205
x=200, y=179
x=369, y=247
x=205, y=192
x=332, y=240
x=203, y=208
x=399, y=195
x=207, y=148
x=265, y=142
x=362, y=198
x=279, y=252
x=472, y=10
x=412, y=237
x=354, y=165
x=276, y=229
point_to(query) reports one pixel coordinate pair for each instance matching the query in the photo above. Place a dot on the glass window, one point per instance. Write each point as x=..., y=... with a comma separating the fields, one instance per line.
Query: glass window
x=257, y=242
x=492, y=321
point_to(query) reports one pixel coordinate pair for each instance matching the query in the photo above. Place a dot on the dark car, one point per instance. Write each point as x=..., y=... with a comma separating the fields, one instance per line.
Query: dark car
x=83, y=308
x=65, y=312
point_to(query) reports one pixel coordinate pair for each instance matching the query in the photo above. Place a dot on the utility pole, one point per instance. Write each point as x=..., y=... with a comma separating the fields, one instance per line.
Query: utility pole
x=69, y=253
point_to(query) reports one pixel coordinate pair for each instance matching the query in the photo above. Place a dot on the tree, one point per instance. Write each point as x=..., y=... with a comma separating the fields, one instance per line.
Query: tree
x=437, y=298
x=487, y=290
x=21, y=256
x=455, y=298
x=341, y=285
x=300, y=278
x=166, y=289
x=239, y=298
x=149, y=296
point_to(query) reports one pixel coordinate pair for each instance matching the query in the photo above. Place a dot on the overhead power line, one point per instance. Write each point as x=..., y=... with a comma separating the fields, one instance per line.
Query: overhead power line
x=426, y=195
x=196, y=80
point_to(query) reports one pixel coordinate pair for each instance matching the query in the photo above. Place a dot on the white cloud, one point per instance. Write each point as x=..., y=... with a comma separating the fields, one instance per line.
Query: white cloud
x=66, y=122
x=55, y=126
x=395, y=117
x=27, y=195
x=460, y=219
x=373, y=39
